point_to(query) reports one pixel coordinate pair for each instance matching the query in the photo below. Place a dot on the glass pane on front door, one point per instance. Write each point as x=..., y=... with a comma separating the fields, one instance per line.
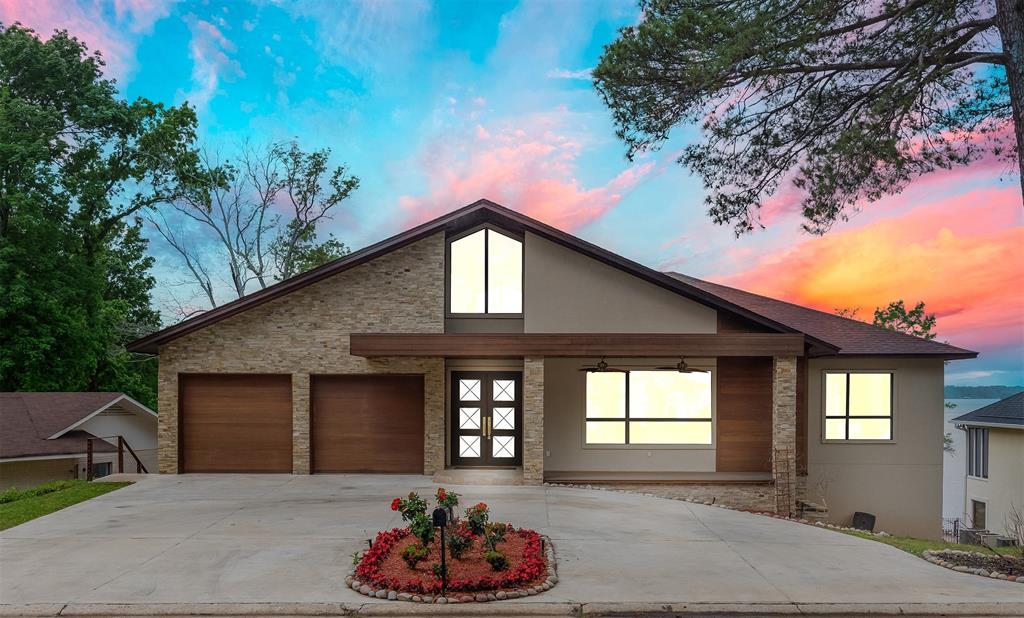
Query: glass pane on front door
x=504, y=390
x=504, y=418
x=469, y=390
x=469, y=418
x=503, y=447
x=469, y=446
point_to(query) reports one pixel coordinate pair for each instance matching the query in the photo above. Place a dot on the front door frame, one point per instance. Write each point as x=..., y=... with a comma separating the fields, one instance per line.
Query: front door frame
x=486, y=431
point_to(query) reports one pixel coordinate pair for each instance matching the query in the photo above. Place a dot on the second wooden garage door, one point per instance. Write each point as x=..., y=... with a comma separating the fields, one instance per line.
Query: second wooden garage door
x=235, y=423
x=367, y=423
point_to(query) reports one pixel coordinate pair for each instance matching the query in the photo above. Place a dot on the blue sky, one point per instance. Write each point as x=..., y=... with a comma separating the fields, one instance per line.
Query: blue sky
x=436, y=105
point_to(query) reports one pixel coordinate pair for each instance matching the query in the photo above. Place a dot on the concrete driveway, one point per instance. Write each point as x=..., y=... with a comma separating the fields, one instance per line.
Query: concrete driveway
x=288, y=539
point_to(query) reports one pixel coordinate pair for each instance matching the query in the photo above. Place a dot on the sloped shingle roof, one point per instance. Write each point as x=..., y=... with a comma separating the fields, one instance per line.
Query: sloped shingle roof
x=1009, y=411
x=27, y=420
x=852, y=337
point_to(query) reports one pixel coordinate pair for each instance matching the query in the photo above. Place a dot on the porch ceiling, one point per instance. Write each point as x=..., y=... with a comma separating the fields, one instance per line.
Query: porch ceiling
x=471, y=345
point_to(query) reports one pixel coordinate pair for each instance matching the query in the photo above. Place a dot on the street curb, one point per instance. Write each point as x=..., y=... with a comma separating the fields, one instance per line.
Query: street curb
x=506, y=609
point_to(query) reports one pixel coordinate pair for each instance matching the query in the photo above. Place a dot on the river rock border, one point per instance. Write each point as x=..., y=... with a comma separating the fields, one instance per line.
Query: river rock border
x=936, y=557
x=459, y=597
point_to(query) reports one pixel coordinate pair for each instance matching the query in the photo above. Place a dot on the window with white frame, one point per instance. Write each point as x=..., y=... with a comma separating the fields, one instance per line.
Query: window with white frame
x=485, y=274
x=858, y=405
x=648, y=408
x=977, y=452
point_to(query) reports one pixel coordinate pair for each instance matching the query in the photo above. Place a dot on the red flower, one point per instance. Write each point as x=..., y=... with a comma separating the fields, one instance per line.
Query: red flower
x=395, y=503
x=441, y=495
x=480, y=506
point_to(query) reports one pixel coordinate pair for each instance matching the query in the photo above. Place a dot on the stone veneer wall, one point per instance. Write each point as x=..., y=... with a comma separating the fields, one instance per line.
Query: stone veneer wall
x=533, y=421
x=306, y=332
x=784, y=433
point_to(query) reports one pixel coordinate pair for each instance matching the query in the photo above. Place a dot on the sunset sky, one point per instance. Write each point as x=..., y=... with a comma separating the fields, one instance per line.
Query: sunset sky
x=435, y=106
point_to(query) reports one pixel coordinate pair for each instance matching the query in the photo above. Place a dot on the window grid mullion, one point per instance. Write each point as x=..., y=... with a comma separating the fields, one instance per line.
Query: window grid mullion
x=487, y=270
x=627, y=407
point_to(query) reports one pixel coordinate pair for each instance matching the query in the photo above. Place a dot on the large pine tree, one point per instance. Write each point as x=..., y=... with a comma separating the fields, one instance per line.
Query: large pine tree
x=849, y=100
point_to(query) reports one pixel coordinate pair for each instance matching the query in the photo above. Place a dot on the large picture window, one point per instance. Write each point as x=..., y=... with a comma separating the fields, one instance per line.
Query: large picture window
x=648, y=407
x=858, y=406
x=485, y=273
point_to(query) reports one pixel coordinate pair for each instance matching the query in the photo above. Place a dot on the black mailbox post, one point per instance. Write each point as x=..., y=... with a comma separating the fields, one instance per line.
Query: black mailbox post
x=441, y=521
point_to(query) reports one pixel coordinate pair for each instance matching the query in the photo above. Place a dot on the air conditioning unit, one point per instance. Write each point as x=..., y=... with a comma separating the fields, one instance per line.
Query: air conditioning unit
x=971, y=536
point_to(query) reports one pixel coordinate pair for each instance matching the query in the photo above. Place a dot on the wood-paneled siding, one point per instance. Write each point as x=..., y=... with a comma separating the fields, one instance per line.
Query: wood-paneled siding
x=744, y=408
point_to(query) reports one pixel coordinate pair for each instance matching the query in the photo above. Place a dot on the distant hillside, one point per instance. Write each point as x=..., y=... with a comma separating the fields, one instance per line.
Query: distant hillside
x=981, y=392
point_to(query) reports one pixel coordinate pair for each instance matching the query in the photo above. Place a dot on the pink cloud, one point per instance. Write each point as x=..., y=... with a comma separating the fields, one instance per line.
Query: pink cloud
x=89, y=23
x=963, y=256
x=529, y=165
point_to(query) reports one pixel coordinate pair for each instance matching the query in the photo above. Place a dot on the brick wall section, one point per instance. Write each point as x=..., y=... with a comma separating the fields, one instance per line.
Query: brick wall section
x=306, y=332
x=784, y=432
x=533, y=421
x=301, y=454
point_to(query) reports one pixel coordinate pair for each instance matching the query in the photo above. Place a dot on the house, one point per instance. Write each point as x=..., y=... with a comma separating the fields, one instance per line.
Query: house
x=45, y=436
x=485, y=339
x=994, y=481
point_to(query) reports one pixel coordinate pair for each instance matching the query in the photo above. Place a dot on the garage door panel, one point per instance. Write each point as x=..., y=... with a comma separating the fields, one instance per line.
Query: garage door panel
x=367, y=423
x=236, y=423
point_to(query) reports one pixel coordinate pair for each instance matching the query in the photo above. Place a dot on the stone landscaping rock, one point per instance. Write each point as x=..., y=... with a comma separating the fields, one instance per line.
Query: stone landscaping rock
x=364, y=589
x=381, y=594
x=502, y=595
x=392, y=595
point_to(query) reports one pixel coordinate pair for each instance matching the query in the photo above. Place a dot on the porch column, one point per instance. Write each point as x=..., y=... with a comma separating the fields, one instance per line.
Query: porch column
x=784, y=433
x=300, y=424
x=533, y=420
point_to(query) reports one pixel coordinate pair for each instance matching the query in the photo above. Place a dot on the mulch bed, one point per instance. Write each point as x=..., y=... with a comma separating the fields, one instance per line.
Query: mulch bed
x=1010, y=567
x=382, y=565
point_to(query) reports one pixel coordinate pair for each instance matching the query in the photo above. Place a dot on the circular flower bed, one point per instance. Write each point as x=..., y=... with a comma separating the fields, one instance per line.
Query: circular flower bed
x=484, y=560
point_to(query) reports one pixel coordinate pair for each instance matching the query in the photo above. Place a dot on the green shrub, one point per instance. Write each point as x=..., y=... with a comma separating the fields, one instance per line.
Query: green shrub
x=13, y=495
x=494, y=533
x=422, y=527
x=439, y=571
x=459, y=540
x=496, y=559
x=413, y=554
x=476, y=517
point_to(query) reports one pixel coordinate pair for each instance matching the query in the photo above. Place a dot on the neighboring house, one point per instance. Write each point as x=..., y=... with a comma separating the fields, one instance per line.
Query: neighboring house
x=995, y=463
x=44, y=436
x=480, y=340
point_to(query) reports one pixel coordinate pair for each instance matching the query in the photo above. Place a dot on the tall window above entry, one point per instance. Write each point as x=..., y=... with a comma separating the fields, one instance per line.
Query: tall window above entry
x=486, y=274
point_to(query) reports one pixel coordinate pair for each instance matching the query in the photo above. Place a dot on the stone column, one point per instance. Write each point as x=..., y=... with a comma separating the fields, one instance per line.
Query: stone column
x=167, y=419
x=784, y=433
x=433, y=415
x=533, y=420
x=301, y=458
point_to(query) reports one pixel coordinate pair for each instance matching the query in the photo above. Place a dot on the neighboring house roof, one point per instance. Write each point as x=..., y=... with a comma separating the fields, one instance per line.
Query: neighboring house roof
x=852, y=337
x=1007, y=412
x=484, y=211
x=44, y=424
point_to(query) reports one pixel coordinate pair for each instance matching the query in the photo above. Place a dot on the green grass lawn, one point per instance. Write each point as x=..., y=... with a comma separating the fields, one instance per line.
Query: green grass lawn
x=19, y=506
x=919, y=546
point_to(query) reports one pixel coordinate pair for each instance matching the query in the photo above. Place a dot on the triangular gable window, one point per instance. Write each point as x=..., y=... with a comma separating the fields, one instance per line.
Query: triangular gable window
x=485, y=274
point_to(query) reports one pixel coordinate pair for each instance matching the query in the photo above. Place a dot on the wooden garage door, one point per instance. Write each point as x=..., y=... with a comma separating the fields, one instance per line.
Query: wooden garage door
x=235, y=423
x=367, y=423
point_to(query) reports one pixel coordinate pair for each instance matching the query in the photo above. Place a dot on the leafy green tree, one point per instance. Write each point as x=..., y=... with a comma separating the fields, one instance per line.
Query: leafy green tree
x=848, y=100
x=895, y=316
x=78, y=164
x=914, y=321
